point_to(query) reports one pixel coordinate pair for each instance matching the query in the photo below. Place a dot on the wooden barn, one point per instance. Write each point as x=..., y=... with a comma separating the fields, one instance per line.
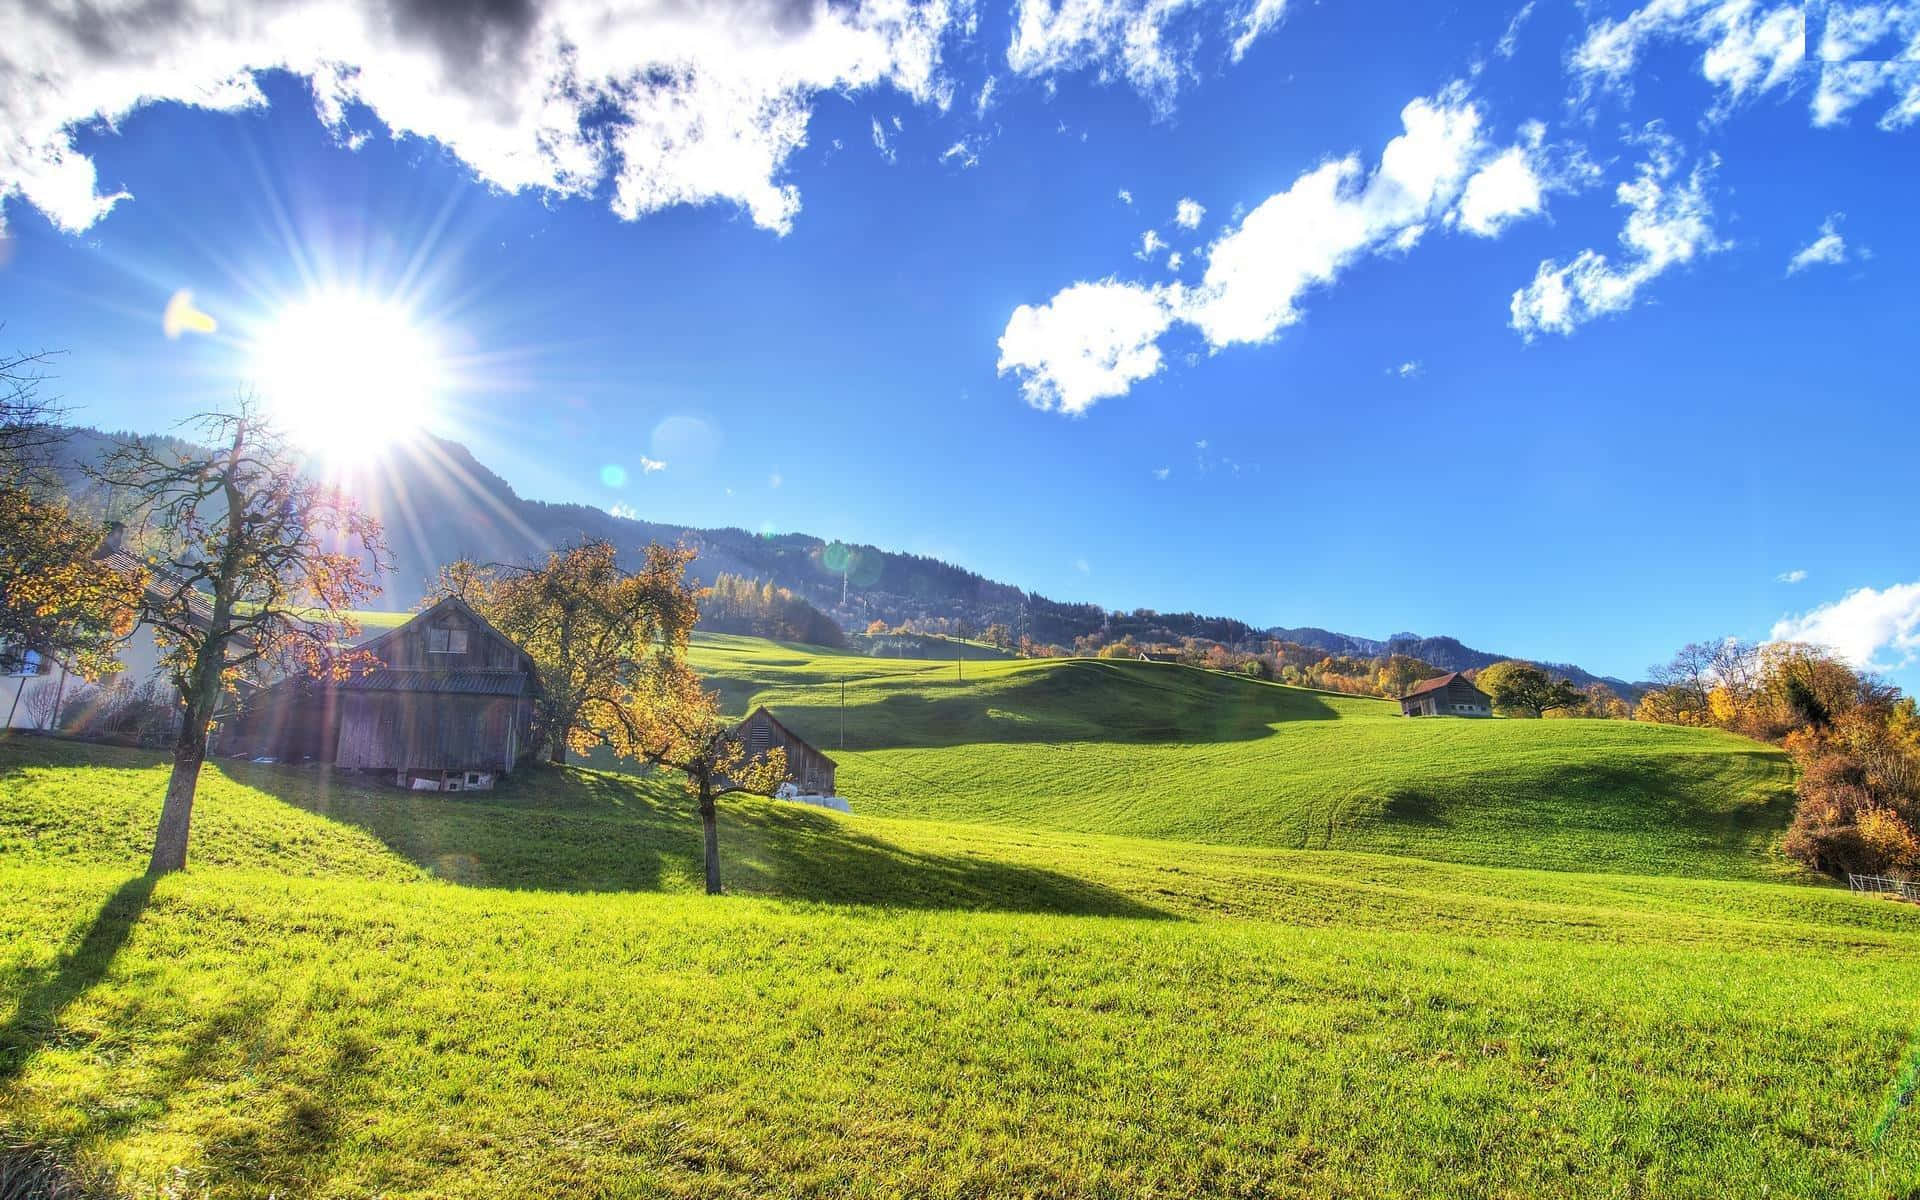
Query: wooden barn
x=448, y=707
x=1450, y=695
x=810, y=770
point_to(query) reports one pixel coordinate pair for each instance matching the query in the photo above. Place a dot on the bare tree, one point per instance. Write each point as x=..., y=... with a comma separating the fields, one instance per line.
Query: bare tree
x=261, y=565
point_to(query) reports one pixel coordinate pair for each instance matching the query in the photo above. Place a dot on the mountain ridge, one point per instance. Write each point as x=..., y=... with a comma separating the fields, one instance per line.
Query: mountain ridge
x=439, y=502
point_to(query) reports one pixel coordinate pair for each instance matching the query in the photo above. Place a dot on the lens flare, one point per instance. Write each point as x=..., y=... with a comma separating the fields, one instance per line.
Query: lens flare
x=182, y=317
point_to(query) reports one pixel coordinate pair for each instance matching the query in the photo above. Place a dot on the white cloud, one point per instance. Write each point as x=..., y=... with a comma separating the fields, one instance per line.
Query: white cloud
x=668, y=103
x=1330, y=217
x=1669, y=223
x=1126, y=197
x=1794, y=576
x=1083, y=566
x=1150, y=44
x=775, y=480
x=650, y=465
x=1862, y=626
x=1187, y=213
x=1161, y=473
x=1091, y=341
x=1864, y=49
x=1410, y=369
x=1175, y=261
x=1510, y=40
x=625, y=512
x=1150, y=245
x=880, y=141
x=1829, y=249
x=1505, y=190
x=1261, y=17
x=984, y=100
x=1748, y=47
x=1094, y=340
x=962, y=152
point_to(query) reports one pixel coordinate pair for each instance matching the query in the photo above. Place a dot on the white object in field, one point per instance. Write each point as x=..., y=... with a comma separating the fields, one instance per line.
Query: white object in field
x=423, y=784
x=791, y=791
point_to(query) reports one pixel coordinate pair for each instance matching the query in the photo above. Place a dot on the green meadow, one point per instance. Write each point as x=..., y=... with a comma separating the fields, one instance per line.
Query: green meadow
x=1093, y=929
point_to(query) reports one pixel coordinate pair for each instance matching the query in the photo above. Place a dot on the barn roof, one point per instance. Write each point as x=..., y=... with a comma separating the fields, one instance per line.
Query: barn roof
x=373, y=646
x=427, y=679
x=790, y=733
x=1438, y=682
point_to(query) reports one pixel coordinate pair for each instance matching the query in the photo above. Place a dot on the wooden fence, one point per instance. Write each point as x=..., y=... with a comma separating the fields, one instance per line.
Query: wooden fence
x=1906, y=889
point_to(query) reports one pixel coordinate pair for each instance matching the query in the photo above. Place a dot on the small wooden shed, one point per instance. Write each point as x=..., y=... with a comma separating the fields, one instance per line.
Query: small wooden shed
x=448, y=707
x=810, y=770
x=1449, y=695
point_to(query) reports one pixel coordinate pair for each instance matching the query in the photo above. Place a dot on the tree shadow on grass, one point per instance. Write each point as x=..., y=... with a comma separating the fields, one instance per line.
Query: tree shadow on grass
x=571, y=830
x=37, y=1018
x=1081, y=700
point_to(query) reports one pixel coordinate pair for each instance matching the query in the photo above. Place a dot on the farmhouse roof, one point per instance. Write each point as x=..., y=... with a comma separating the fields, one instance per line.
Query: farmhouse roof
x=162, y=584
x=1436, y=683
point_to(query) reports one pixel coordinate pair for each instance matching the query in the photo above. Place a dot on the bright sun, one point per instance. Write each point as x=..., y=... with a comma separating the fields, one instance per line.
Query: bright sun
x=346, y=373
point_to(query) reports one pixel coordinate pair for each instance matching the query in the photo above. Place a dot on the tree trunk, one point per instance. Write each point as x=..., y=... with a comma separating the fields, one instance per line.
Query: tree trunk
x=710, y=822
x=559, y=752
x=176, y=814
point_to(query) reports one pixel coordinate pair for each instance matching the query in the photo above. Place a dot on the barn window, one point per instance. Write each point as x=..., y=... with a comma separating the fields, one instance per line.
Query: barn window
x=444, y=639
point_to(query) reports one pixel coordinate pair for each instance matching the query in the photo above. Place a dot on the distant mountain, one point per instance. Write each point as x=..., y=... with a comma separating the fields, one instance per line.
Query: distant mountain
x=439, y=503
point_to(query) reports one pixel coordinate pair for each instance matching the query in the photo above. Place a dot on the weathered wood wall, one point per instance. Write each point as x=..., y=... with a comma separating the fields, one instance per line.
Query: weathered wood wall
x=430, y=731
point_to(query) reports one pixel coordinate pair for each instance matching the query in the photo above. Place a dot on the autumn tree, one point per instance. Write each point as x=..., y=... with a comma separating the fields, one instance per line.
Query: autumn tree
x=258, y=565
x=596, y=631
x=1402, y=671
x=1522, y=687
x=998, y=636
x=1682, y=687
x=1603, y=702
x=678, y=724
x=57, y=595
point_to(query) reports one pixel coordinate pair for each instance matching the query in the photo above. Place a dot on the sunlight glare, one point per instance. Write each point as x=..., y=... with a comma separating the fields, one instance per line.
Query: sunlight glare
x=347, y=374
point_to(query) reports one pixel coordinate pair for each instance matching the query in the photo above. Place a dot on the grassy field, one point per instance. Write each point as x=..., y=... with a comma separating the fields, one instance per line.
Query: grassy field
x=357, y=991
x=1163, y=751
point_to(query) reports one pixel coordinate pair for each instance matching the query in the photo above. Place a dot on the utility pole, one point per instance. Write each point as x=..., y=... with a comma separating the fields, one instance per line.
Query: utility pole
x=843, y=712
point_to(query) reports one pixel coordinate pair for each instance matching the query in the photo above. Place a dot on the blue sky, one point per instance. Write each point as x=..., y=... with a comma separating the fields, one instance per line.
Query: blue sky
x=1572, y=332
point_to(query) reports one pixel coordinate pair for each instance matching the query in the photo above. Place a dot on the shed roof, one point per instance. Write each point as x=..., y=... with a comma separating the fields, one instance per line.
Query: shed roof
x=427, y=679
x=791, y=735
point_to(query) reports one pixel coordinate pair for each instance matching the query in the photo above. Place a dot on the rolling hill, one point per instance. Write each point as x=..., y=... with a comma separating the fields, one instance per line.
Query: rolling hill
x=1094, y=928
x=359, y=991
x=1164, y=751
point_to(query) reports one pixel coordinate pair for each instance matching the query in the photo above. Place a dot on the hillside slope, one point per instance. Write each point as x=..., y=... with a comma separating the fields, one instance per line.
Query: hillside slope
x=1164, y=751
x=901, y=1007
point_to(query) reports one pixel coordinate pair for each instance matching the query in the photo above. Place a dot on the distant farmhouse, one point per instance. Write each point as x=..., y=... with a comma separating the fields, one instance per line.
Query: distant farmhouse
x=448, y=708
x=1450, y=695
x=811, y=772
x=45, y=687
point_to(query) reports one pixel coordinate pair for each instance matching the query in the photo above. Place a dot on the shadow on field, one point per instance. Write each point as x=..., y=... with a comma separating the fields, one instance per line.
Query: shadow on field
x=44, y=999
x=1083, y=700
x=572, y=830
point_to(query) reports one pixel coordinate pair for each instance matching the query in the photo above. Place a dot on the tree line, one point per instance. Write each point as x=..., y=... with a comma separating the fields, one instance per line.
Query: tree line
x=1855, y=739
x=736, y=604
